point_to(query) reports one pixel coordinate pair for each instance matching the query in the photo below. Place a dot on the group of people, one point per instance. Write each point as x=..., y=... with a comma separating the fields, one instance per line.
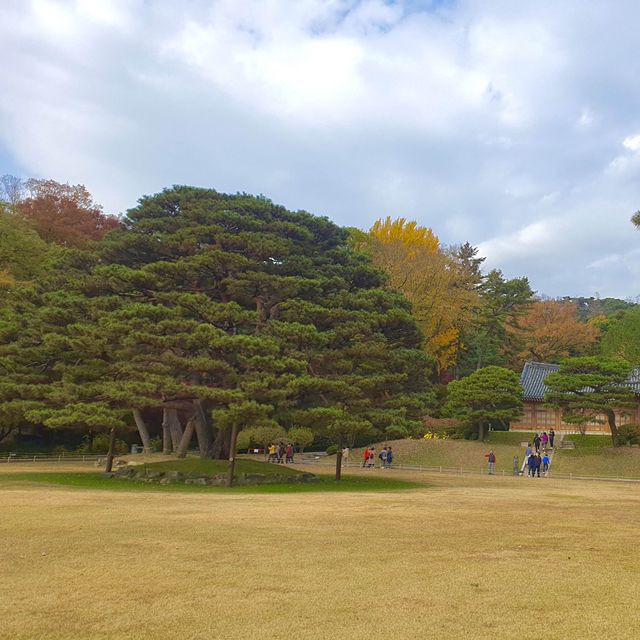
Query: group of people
x=280, y=453
x=536, y=457
x=535, y=463
x=385, y=456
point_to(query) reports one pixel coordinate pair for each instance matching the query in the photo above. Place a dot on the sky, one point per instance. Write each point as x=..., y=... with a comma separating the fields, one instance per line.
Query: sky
x=512, y=125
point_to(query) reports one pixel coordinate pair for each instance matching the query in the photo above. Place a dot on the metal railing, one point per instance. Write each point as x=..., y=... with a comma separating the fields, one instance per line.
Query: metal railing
x=462, y=471
x=11, y=458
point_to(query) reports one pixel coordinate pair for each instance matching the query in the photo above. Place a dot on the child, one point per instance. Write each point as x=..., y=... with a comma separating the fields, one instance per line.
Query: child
x=545, y=463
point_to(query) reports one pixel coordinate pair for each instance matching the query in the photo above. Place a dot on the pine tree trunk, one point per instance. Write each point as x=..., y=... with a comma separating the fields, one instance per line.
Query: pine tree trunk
x=110, y=453
x=611, y=418
x=181, y=451
x=232, y=455
x=166, y=439
x=480, y=431
x=203, y=430
x=142, y=430
x=170, y=418
x=339, y=464
x=221, y=445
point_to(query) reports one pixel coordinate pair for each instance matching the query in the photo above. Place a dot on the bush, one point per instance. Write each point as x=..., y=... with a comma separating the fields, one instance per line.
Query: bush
x=332, y=449
x=628, y=434
x=443, y=428
x=155, y=444
x=396, y=432
x=301, y=436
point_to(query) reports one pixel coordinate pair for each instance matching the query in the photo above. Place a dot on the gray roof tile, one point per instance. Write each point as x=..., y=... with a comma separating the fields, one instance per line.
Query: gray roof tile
x=534, y=373
x=532, y=379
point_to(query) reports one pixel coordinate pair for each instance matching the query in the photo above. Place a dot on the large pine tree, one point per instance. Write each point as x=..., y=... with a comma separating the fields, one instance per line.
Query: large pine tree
x=225, y=311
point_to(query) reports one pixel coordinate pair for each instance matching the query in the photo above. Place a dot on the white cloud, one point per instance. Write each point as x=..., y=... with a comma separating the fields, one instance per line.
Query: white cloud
x=632, y=142
x=485, y=120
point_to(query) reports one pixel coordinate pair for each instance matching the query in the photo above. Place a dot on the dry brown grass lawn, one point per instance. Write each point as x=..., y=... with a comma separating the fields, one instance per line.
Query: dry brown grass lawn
x=499, y=558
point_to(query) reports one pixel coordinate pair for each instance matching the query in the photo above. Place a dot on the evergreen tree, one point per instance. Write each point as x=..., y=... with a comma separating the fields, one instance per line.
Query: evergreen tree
x=587, y=387
x=487, y=395
x=226, y=310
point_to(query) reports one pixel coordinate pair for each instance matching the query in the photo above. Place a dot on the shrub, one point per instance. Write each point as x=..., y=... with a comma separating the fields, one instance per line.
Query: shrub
x=332, y=449
x=301, y=436
x=443, y=427
x=629, y=434
x=155, y=444
x=430, y=435
x=396, y=432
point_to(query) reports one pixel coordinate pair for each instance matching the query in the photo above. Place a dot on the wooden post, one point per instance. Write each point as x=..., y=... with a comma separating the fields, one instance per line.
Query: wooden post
x=232, y=455
x=112, y=444
x=142, y=430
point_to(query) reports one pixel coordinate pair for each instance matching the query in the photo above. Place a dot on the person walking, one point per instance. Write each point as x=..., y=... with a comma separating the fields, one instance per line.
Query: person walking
x=531, y=463
x=491, y=462
x=372, y=458
x=280, y=452
x=552, y=437
x=383, y=458
x=345, y=456
x=289, y=453
x=365, y=457
x=545, y=463
x=527, y=454
x=272, y=452
x=536, y=442
x=545, y=440
x=538, y=462
x=389, y=457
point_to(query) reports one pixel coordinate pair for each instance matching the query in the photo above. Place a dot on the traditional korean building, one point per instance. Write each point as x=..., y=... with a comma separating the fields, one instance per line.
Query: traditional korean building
x=538, y=417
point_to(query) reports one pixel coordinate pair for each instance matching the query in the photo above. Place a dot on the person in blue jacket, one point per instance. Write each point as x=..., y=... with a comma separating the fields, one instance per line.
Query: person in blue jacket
x=532, y=465
x=545, y=463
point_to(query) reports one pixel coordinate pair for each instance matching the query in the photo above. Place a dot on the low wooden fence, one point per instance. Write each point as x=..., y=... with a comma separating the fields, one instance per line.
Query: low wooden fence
x=461, y=471
x=12, y=458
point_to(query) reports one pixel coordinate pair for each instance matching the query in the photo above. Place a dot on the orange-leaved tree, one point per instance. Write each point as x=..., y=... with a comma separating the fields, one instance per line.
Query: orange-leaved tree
x=551, y=331
x=64, y=214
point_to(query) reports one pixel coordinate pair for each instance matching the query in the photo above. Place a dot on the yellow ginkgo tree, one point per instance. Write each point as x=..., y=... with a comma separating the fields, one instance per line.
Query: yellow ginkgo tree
x=430, y=277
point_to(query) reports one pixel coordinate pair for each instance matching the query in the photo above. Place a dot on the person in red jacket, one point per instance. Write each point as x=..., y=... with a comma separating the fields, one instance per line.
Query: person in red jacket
x=491, y=461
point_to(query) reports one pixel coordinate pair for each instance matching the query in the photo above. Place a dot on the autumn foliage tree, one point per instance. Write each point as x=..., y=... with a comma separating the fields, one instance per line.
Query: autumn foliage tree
x=550, y=331
x=436, y=283
x=63, y=214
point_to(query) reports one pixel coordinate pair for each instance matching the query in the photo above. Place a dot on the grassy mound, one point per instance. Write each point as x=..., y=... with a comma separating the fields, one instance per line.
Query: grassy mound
x=96, y=481
x=451, y=454
x=217, y=467
x=594, y=456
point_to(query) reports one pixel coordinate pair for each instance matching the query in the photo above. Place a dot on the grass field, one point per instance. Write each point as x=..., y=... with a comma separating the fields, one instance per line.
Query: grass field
x=594, y=456
x=463, y=558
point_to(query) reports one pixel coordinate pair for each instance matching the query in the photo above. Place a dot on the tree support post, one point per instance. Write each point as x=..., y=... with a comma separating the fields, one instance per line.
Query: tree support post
x=339, y=464
x=112, y=445
x=232, y=455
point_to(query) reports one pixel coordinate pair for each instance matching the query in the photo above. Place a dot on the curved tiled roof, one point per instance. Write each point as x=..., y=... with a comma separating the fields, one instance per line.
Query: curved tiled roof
x=534, y=374
x=532, y=379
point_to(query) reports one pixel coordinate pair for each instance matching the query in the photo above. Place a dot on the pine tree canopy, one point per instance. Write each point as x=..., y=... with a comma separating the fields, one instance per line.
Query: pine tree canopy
x=255, y=313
